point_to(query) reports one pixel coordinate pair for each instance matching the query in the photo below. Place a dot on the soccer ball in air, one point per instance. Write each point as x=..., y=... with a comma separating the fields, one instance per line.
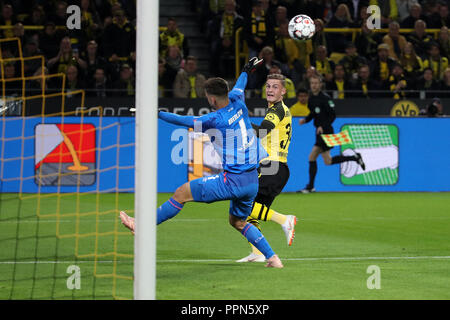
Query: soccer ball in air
x=301, y=27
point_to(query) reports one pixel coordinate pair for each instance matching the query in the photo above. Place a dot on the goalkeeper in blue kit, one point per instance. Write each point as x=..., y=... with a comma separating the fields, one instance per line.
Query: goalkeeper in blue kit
x=240, y=150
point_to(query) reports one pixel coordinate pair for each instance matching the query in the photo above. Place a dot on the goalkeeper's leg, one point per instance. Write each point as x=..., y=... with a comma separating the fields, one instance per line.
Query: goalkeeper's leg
x=255, y=255
x=261, y=211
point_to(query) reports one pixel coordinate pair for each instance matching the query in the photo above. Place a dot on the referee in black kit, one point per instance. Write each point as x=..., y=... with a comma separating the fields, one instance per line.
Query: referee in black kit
x=321, y=108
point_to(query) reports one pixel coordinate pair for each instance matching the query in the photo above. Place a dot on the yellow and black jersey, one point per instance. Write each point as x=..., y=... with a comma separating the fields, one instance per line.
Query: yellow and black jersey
x=278, y=125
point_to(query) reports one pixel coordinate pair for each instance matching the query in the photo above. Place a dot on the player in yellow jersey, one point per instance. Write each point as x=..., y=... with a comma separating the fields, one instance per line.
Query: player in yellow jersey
x=275, y=134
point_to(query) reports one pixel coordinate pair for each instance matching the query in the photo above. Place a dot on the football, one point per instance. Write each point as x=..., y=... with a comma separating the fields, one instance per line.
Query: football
x=301, y=27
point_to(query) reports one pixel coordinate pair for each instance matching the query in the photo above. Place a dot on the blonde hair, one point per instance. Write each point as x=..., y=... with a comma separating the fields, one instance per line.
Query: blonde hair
x=277, y=76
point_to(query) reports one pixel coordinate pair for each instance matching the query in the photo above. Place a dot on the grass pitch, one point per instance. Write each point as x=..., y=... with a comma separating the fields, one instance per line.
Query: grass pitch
x=338, y=236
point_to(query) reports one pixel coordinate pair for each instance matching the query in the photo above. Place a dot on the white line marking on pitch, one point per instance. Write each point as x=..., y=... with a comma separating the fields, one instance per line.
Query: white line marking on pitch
x=231, y=260
x=317, y=259
x=85, y=220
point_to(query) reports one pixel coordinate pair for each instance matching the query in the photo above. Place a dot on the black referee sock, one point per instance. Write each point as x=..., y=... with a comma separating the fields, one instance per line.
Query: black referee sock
x=312, y=173
x=341, y=158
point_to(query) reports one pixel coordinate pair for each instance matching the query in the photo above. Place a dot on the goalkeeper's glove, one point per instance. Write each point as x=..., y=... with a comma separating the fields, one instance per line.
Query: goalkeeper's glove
x=252, y=64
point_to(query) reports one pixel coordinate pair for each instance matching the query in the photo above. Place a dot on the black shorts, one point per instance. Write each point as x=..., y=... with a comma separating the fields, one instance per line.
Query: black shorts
x=320, y=142
x=271, y=186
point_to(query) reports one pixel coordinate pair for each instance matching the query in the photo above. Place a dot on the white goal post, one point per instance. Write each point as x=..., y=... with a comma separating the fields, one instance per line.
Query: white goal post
x=147, y=36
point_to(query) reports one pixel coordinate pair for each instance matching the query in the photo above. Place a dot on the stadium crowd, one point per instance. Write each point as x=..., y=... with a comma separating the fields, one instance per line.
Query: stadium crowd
x=99, y=57
x=369, y=64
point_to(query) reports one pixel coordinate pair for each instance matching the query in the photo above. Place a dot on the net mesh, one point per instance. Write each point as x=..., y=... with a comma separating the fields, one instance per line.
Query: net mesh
x=63, y=180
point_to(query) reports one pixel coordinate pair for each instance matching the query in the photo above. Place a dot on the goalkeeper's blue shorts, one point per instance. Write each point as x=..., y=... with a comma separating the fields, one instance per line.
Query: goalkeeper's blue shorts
x=240, y=188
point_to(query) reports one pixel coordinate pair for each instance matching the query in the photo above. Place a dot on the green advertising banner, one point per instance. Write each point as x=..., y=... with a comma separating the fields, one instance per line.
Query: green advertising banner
x=378, y=146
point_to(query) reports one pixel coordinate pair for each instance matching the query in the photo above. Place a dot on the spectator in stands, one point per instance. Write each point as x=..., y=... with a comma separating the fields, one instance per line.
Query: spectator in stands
x=207, y=9
x=433, y=109
x=363, y=15
x=381, y=67
x=286, y=50
x=174, y=58
x=300, y=108
x=367, y=42
x=445, y=84
x=305, y=49
x=324, y=65
x=320, y=37
x=441, y=18
x=364, y=86
x=426, y=85
x=290, y=87
x=119, y=38
x=37, y=18
x=38, y=86
x=419, y=38
x=94, y=60
x=311, y=71
x=99, y=85
x=65, y=58
x=397, y=83
x=59, y=17
x=222, y=38
x=415, y=13
x=172, y=36
x=31, y=49
x=404, y=8
x=90, y=19
x=444, y=42
x=49, y=41
x=280, y=17
x=258, y=78
x=73, y=81
x=340, y=19
x=108, y=15
x=352, y=61
x=12, y=88
x=7, y=19
x=258, y=30
x=339, y=86
x=166, y=78
x=412, y=64
x=435, y=61
x=388, y=10
x=430, y=7
x=189, y=83
x=394, y=40
x=355, y=8
x=19, y=32
x=125, y=86
x=316, y=9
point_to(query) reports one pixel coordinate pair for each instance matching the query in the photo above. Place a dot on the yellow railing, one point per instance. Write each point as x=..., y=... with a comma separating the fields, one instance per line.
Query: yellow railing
x=241, y=50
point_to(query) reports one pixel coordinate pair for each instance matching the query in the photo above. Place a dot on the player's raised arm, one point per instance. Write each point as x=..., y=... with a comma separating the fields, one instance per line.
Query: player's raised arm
x=241, y=83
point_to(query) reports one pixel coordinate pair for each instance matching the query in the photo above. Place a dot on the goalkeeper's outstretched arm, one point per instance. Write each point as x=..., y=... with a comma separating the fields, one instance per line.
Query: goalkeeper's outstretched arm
x=185, y=121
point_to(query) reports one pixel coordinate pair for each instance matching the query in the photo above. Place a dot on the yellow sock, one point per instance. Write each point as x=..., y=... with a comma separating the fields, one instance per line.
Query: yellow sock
x=262, y=212
x=277, y=217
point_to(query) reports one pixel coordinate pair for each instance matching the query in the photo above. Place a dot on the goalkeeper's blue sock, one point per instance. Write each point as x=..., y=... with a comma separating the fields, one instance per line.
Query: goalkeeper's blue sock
x=168, y=210
x=256, y=238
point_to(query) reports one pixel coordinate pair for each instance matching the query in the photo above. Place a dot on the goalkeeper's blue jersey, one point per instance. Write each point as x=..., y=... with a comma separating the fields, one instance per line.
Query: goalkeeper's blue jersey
x=231, y=132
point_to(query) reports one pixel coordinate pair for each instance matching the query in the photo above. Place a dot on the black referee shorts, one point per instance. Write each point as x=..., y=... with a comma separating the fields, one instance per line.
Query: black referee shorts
x=320, y=142
x=271, y=186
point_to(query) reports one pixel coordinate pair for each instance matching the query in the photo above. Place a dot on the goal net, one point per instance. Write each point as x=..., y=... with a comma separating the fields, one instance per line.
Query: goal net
x=63, y=180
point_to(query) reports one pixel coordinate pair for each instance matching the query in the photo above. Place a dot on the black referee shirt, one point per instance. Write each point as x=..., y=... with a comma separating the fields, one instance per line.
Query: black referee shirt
x=321, y=109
